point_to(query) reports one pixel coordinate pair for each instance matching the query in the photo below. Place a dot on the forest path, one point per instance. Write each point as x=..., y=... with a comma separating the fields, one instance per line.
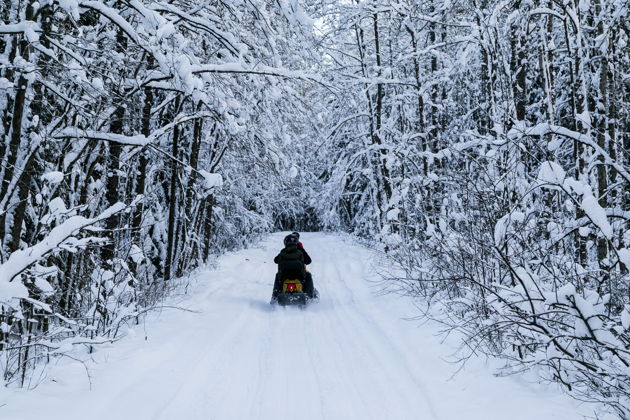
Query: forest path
x=349, y=356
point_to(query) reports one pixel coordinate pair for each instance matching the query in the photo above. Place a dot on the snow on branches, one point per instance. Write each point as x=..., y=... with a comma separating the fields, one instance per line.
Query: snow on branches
x=486, y=149
x=61, y=237
x=149, y=103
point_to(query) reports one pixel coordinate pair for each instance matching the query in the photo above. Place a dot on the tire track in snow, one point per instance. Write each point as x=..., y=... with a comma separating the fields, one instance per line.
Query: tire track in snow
x=203, y=375
x=315, y=364
x=349, y=384
x=374, y=349
x=381, y=339
x=263, y=372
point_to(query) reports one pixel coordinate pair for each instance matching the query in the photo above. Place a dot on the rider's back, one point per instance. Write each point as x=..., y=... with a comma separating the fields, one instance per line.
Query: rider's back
x=290, y=253
x=290, y=261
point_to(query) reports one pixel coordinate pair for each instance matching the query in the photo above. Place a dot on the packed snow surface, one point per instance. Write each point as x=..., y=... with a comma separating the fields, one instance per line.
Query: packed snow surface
x=350, y=356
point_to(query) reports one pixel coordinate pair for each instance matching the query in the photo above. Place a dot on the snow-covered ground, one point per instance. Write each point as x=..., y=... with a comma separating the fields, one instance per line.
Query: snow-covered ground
x=350, y=356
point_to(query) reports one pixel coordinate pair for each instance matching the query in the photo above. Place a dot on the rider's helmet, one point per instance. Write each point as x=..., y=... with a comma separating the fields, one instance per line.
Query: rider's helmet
x=290, y=240
x=296, y=234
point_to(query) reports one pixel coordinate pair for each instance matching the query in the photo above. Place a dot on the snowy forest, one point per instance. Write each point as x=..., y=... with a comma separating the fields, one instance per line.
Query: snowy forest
x=482, y=145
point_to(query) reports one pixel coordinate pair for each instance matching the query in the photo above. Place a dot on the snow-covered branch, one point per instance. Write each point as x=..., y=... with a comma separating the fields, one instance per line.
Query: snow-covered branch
x=30, y=29
x=546, y=128
x=59, y=237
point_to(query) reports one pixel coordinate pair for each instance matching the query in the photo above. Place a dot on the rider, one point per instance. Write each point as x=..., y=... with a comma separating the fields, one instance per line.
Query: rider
x=297, y=235
x=291, y=261
x=309, y=288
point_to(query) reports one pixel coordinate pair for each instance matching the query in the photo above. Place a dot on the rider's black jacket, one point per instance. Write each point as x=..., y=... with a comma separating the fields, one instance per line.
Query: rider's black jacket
x=293, y=253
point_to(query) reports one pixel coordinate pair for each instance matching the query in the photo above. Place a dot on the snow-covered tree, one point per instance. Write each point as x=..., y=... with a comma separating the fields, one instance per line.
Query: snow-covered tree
x=138, y=138
x=485, y=144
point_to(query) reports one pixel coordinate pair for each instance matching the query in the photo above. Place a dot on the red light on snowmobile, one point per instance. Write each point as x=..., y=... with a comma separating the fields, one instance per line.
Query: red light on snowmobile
x=291, y=286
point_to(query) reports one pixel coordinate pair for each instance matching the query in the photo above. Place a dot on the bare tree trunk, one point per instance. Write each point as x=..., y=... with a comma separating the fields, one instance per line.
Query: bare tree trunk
x=377, y=137
x=20, y=211
x=142, y=164
x=420, y=125
x=11, y=152
x=113, y=182
x=207, y=226
x=519, y=70
x=578, y=101
x=172, y=209
x=484, y=102
x=113, y=179
x=189, y=206
x=373, y=160
x=602, y=175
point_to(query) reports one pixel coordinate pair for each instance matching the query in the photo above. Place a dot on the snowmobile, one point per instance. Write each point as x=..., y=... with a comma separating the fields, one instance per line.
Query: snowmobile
x=293, y=294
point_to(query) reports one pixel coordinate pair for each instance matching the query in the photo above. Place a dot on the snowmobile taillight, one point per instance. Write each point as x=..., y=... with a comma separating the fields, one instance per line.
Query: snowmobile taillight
x=291, y=286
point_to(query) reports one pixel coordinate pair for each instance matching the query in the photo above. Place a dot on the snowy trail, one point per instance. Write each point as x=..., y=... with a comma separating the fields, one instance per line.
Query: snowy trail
x=350, y=356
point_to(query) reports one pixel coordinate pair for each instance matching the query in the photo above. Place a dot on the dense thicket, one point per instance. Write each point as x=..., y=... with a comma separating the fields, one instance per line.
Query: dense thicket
x=137, y=138
x=486, y=144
